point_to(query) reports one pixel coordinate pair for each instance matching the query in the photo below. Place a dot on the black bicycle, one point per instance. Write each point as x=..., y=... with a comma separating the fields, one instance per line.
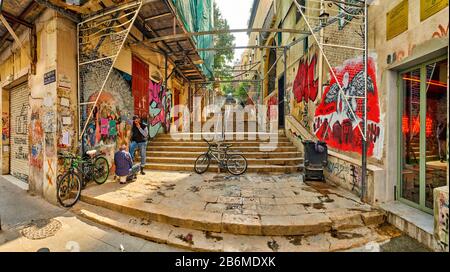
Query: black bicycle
x=78, y=172
x=235, y=163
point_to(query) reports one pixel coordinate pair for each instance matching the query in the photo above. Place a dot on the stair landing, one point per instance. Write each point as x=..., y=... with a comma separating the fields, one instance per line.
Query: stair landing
x=253, y=206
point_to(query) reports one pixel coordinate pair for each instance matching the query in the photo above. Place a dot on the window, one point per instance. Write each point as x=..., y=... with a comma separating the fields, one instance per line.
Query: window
x=305, y=45
x=280, y=35
x=298, y=15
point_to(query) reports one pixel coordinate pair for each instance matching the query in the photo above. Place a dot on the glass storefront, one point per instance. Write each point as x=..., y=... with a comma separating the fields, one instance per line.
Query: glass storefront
x=424, y=118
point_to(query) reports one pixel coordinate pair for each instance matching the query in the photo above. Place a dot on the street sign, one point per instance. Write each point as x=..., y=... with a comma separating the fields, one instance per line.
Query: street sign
x=50, y=77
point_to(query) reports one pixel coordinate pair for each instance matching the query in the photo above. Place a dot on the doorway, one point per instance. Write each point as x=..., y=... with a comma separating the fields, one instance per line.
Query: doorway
x=281, y=102
x=19, y=104
x=423, y=130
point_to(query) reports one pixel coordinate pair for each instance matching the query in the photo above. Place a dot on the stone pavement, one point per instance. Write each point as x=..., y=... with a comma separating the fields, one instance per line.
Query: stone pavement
x=29, y=223
x=219, y=212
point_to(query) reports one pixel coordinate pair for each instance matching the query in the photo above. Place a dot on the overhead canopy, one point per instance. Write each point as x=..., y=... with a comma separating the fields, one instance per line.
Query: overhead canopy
x=20, y=14
x=156, y=18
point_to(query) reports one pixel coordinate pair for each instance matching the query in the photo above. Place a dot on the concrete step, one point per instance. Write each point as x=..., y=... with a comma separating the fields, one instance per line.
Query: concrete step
x=168, y=137
x=269, y=148
x=262, y=168
x=231, y=135
x=248, y=155
x=200, y=240
x=250, y=161
x=242, y=224
x=203, y=144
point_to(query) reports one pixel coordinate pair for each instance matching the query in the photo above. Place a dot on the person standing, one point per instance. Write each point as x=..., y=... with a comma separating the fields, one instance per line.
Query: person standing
x=139, y=134
x=441, y=134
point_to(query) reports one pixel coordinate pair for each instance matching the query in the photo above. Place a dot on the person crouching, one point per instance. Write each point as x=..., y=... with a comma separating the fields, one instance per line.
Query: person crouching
x=125, y=170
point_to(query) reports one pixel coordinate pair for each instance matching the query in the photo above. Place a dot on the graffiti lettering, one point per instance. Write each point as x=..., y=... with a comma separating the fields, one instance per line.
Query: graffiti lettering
x=349, y=175
x=21, y=121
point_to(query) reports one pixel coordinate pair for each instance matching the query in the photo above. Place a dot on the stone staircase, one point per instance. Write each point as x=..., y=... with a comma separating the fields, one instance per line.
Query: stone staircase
x=254, y=213
x=165, y=153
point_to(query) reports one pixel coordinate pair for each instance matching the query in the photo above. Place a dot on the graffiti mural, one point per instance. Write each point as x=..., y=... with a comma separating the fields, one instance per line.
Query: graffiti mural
x=306, y=83
x=110, y=123
x=159, y=110
x=334, y=122
x=37, y=132
x=272, y=112
x=5, y=126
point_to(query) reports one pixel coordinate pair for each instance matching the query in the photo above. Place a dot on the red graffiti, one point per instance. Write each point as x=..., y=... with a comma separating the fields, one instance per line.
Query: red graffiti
x=335, y=122
x=271, y=108
x=305, y=85
x=441, y=32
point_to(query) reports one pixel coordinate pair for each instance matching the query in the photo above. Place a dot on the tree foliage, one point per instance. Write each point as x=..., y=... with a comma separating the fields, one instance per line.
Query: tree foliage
x=222, y=57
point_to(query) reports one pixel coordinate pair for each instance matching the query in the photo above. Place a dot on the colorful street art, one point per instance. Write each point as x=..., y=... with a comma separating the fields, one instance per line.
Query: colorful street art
x=272, y=112
x=159, y=110
x=306, y=83
x=110, y=124
x=5, y=126
x=334, y=122
x=36, y=140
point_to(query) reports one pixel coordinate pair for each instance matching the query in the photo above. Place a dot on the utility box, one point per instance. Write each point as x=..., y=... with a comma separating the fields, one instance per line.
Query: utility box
x=315, y=159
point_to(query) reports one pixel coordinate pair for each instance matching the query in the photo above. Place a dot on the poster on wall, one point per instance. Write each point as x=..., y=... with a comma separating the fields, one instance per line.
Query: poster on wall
x=397, y=20
x=431, y=7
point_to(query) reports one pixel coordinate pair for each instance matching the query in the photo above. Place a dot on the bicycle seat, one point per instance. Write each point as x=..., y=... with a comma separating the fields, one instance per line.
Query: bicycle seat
x=227, y=145
x=91, y=152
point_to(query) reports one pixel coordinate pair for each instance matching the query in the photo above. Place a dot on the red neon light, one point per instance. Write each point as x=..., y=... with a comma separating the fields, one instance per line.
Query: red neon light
x=429, y=82
x=416, y=125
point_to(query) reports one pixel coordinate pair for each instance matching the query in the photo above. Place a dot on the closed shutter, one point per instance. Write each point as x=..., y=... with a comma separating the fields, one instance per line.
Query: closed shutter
x=19, y=132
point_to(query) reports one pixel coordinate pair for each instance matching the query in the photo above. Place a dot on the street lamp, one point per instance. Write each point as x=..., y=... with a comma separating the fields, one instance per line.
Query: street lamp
x=324, y=19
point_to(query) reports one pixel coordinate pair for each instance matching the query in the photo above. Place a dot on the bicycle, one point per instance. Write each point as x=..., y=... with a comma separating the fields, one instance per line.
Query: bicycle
x=80, y=171
x=236, y=164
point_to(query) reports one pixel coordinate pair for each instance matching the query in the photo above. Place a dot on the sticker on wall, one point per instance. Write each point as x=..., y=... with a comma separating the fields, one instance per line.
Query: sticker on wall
x=64, y=82
x=67, y=120
x=65, y=102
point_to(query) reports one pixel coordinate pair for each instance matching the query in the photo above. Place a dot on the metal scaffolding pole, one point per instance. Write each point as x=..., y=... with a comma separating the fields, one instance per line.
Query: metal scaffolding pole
x=364, y=141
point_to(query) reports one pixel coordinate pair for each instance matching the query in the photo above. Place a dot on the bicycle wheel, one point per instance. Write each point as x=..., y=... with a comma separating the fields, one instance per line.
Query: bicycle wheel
x=236, y=164
x=101, y=170
x=202, y=163
x=68, y=189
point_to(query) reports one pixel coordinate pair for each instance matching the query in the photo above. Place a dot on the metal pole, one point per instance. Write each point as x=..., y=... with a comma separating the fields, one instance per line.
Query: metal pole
x=364, y=142
x=79, y=92
x=285, y=83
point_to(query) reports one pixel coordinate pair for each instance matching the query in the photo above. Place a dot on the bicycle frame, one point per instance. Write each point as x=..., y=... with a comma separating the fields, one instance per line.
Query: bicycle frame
x=217, y=153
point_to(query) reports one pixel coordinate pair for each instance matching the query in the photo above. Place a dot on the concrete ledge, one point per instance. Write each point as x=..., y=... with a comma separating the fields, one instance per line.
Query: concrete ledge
x=415, y=223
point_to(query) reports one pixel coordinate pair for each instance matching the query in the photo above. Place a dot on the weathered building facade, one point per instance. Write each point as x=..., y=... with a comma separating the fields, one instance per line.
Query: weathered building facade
x=408, y=65
x=45, y=110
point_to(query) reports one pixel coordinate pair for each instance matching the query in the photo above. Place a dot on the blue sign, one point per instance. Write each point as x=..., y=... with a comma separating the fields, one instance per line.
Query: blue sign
x=49, y=77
